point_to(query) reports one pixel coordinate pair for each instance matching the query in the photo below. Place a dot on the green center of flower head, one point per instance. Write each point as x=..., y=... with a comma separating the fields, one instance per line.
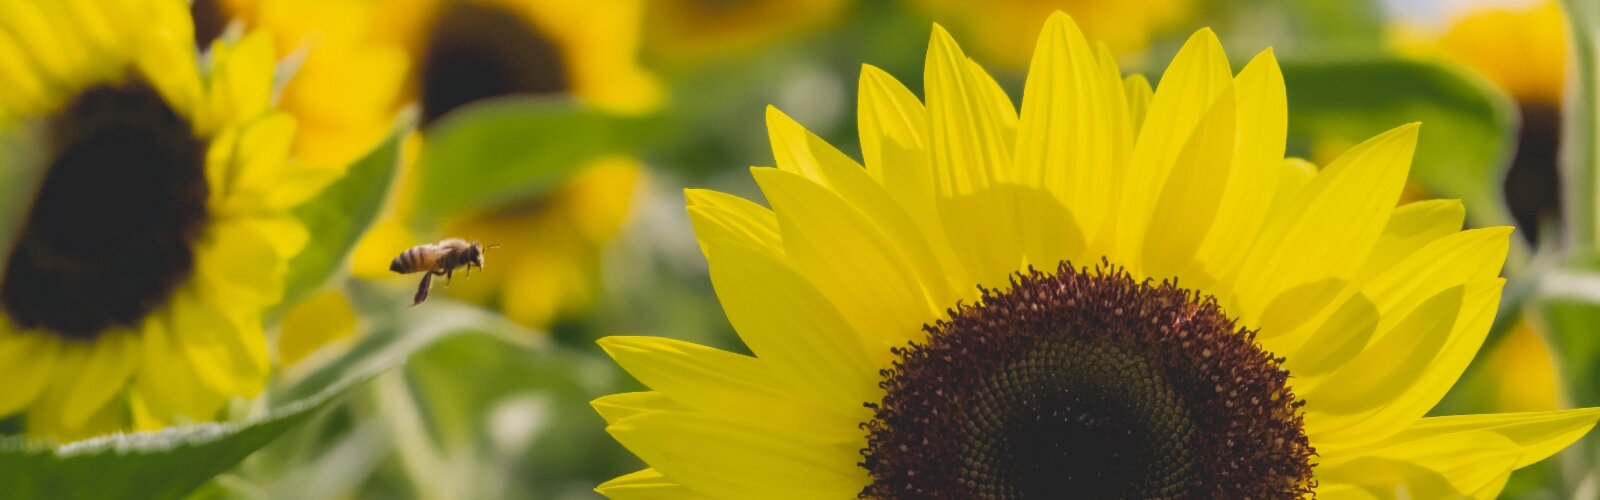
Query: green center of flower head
x=112, y=230
x=480, y=51
x=1087, y=385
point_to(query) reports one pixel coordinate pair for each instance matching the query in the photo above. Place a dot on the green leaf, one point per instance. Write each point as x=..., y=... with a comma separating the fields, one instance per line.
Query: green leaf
x=168, y=463
x=507, y=148
x=339, y=215
x=332, y=457
x=1468, y=127
x=395, y=331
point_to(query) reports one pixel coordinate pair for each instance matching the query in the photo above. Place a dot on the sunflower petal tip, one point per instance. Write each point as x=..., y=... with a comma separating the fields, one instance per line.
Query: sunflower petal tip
x=1207, y=35
x=1059, y=19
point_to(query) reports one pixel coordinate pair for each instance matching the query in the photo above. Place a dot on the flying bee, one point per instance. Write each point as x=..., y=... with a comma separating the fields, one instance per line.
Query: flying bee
x=439, y=259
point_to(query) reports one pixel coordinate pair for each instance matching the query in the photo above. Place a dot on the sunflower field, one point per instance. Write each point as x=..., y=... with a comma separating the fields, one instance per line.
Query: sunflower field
x=799, y=249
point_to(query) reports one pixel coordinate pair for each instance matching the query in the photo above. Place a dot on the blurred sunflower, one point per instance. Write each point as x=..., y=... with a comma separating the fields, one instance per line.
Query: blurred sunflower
x=1303, y=326
x=133, y=294
x=1002, y=31
x=366, y=59
x=1524, y=53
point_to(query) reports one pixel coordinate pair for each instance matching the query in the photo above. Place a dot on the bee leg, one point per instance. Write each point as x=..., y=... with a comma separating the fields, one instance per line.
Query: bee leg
x=447, y=275
x=422, y=289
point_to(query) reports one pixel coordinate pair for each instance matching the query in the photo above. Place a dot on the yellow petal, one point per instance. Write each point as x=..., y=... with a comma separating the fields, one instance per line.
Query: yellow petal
x=847, y=258
x=1189, y=204
x=1293, y=176
x=258, y=164
x=1196, y=77
x=168, y=381
x=646, y=485
x=166, y=58
x=238, y=264
x=1412, y=226
x=23, y=91
x=1322, y=234
x=27, y=362
x=285, y=233
x=734, y=216
x=789, y=324
x=894, y=143
x=800, y=152
x=1004, y=112
x=1066, y=140
x=615, y=408
x=716, y=381
x=202, y=334
x=1380, y=373
x=318, y=321
x=968, y=146
x=1263, y=119
x=1420, y=469
x=241, y=80
x=1352, y=419
x=53, y=53
x=741, y=458
x=1536, y=435
x=969, y=156
x=1139, y=95
x=1373, y=305
x=105, y=373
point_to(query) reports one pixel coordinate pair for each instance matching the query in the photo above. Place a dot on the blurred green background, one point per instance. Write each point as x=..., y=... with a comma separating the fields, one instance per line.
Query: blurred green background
x=575, y=164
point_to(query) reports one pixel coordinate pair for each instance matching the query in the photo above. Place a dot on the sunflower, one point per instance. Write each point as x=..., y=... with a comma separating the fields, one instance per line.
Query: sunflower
x=1116, y=294
x=365, y=60
x=132, y=296
x=1002, y=30
x=1523, y=51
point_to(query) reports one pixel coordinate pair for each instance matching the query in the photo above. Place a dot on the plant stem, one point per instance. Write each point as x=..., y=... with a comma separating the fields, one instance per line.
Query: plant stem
x=1580, y=149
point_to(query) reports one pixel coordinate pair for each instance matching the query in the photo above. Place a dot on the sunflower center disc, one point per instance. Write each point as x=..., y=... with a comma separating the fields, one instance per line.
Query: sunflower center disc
x=111, y=233
x=478, y=51
x=1087, y=385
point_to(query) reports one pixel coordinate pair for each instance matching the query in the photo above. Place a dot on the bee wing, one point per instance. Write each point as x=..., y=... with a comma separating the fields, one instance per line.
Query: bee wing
x=422, y=289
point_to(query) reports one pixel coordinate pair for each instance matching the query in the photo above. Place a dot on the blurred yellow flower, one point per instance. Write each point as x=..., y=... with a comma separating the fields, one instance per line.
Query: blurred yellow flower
x=1524, y=372
x=1002, y=30
x=1522, y=51
x=347, y=84
x=366, y=59
x=696, y=29
x=134, y=292
x=463, y=51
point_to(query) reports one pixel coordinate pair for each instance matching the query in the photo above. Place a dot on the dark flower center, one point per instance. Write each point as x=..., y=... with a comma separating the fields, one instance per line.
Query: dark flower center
x=1087, y=384
x=479, y=51
x=112, y=231
x=210, y=20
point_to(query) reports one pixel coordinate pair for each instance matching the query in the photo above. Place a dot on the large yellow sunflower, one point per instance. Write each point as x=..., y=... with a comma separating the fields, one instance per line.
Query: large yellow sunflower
x=1116, y=294
x=133, y=294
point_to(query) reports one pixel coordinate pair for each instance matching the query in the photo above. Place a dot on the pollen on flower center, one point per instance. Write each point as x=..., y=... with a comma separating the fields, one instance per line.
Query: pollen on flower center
x=1087, y=385
x=478, y=51
x=111, y=233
